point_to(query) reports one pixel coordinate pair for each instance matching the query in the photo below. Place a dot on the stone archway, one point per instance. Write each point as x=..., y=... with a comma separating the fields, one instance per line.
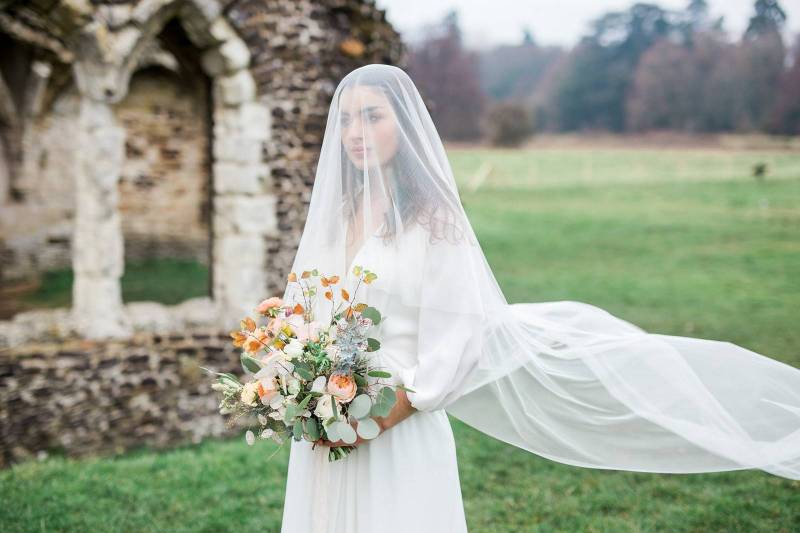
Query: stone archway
x=244, y=210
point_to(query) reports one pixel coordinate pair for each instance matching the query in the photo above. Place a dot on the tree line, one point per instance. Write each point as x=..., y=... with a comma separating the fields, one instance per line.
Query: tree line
x=640, y=69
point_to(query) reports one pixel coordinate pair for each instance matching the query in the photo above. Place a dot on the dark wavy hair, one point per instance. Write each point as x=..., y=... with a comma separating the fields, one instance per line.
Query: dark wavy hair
x=416, y=203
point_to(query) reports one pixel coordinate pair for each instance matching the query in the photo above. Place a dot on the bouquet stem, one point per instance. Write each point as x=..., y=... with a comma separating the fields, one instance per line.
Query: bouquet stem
x=339, y=452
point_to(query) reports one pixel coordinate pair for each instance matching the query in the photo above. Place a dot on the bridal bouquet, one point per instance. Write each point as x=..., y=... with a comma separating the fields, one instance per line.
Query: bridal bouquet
x=307, y=378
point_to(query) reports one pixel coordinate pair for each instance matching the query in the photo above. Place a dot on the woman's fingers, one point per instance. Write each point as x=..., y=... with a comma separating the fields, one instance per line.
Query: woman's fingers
x=325, y=442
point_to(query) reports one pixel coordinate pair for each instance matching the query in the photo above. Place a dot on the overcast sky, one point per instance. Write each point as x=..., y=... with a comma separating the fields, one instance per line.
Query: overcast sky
x=490, y=22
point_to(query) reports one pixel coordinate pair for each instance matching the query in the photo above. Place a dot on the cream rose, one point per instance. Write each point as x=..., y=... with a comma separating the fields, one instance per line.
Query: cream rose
x=294, y=349
x=326, y=407
x=249, y=393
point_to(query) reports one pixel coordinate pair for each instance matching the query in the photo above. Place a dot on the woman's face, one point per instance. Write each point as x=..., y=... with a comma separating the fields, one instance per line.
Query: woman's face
x=379, y=145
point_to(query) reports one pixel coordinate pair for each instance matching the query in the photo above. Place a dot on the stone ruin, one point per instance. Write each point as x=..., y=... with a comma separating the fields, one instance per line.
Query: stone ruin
x=154, y=128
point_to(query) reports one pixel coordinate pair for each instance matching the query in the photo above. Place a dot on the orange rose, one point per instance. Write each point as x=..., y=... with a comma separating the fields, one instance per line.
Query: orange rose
x=342, y=386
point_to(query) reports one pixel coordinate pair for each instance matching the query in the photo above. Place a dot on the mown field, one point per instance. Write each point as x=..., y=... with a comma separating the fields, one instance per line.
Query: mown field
x=683, y=242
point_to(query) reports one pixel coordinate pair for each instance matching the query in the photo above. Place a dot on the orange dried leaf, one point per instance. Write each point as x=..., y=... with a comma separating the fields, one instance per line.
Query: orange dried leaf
x=329, y=295
x=305, y=274
x=249, y=324
x=345, y=295
x=324, y=281
x=238, y=338
x=298, y=309
x=292, y=276
x=334, y=279
x=360, y=307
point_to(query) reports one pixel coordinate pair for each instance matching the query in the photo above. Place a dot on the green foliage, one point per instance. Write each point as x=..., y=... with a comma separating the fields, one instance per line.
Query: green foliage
x=250, y=365
x=373, y=314
x=384, y=401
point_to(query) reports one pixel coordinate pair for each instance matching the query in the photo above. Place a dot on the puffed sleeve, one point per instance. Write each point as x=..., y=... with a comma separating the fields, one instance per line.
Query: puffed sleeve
x=450, y=321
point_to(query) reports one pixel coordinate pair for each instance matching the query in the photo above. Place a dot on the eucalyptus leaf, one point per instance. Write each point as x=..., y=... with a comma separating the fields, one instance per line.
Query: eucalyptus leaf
x=384, y=402
x=304, y=373
x=346, y=432
x=368, y=428
x=380, y=409
x=379, y=374
x=360, y=381
x=373, y=345
x=249, y=364
x=331, y=432
x=227, y=381
x=291, y=412
x=302, y=405
x=360, y=406
x=312, y=429
x=373, y=314
x=297, y=431
x=388, y=394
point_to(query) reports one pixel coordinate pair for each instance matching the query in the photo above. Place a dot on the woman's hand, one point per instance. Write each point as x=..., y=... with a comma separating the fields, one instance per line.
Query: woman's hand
x=402, y=409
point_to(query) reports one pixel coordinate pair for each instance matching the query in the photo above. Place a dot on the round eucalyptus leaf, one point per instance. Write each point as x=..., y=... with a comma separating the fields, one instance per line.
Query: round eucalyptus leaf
x=311, y=429
x=360, y=406
x=331, y=431
x=373, y=314
x=346, y=432
x=368, y=428
x=380, y=409
x=388, y=394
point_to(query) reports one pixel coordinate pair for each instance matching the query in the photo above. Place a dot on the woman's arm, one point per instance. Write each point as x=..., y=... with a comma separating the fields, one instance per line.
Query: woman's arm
x=402, y=409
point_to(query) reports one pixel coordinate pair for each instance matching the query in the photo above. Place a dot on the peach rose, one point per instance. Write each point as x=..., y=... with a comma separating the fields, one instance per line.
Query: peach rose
x=342, y=386
x=270, y=303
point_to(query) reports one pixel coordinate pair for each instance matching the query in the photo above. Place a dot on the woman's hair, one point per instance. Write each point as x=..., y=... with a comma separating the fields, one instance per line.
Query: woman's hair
x=416, y=196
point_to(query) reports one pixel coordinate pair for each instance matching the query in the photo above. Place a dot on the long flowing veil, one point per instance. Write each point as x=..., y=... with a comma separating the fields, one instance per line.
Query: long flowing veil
x=565, y=380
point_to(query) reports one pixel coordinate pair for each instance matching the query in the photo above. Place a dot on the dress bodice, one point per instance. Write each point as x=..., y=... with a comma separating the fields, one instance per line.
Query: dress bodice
x=398, y=267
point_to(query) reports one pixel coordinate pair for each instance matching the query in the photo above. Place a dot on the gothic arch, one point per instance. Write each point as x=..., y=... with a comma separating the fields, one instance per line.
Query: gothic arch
x=244, y=210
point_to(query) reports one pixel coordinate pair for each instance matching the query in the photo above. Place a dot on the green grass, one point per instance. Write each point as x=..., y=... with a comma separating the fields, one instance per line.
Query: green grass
x=681, y=243
x=164, y=280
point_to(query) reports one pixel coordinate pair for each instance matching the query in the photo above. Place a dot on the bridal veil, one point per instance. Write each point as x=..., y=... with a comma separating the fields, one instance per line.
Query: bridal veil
x=565, y=380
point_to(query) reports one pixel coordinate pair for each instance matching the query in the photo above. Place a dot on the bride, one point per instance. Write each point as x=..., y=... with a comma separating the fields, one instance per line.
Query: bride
x=564, y=380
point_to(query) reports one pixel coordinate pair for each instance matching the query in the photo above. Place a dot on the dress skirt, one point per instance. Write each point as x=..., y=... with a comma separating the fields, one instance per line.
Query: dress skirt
x=405, y=480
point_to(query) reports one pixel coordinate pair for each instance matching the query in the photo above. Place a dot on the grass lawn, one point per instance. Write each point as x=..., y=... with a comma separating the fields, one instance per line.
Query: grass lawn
x=678, y=242
x=169, y=281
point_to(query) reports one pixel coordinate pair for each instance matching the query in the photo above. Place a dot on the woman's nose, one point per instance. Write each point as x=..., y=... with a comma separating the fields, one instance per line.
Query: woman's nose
x=355, y=132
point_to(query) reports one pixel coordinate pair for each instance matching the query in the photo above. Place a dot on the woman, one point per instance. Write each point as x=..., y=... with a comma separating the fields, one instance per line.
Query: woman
x=565, y=380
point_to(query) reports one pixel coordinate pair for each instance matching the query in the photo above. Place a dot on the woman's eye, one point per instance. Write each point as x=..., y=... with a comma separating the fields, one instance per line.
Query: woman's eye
x=374, y=118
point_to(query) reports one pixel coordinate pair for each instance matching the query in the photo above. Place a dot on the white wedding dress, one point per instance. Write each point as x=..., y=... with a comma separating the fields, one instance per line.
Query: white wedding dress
x=564, y=380
x=406, y=479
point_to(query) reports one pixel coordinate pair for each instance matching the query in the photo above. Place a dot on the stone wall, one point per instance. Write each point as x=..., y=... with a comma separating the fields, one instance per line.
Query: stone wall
x=297, y=51
x=83, y=397
x=72, y=174
x=297, y=70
